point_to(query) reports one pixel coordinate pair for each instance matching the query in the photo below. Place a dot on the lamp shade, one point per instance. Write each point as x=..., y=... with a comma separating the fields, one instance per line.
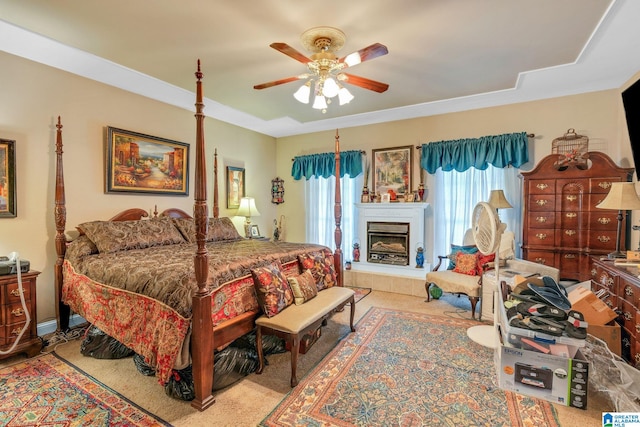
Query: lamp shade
x=498, y=201
x=622, y=196
x=248, y=207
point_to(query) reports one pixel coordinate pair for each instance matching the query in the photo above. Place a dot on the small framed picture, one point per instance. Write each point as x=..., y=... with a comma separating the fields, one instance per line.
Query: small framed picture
x=255, y=231
x=409, y=197
x=385, y=198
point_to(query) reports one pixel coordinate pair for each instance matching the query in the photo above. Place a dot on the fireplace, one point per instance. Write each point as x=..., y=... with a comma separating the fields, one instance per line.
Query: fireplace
x=388, y=242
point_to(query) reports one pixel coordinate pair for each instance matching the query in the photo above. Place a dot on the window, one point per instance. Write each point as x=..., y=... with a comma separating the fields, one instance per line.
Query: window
x=319, y=205
x=456, y=195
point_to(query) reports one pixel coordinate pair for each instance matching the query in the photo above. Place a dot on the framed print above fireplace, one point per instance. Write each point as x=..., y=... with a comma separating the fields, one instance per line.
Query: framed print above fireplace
x=392, y=170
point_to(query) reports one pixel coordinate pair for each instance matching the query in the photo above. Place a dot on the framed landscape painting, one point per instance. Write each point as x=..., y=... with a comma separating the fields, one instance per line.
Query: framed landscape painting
x=7, y=178
x=392, y=170
x=139, y=163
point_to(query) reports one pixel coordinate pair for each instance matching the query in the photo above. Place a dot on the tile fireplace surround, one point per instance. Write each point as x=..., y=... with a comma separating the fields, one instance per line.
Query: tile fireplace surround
x=401, y=279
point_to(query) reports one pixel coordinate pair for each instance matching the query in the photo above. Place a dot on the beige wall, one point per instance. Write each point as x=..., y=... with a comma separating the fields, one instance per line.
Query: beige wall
x=34, y=95
x=598, y=115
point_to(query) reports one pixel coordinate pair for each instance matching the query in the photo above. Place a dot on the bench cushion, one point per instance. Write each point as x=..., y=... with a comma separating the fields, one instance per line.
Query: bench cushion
x=296, y=318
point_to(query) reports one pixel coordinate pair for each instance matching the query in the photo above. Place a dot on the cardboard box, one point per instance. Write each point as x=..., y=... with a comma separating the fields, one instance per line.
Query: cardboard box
x=561, y=379
x=595, y=311
x=611, y=334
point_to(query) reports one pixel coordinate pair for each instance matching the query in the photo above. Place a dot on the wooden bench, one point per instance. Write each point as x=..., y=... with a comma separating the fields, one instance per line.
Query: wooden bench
x=296, y=320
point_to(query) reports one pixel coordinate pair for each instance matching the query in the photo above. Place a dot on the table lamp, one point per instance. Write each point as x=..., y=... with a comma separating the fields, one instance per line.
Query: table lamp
x=623, y=197
x=498, y=201
x=247, y=209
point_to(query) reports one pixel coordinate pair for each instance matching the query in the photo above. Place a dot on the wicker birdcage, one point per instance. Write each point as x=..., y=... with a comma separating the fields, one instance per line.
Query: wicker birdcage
x=572, y=149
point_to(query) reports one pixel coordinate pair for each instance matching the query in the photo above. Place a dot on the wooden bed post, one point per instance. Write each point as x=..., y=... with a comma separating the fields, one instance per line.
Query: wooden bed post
x=60, y=213
x=202, y=332
x=337, y=212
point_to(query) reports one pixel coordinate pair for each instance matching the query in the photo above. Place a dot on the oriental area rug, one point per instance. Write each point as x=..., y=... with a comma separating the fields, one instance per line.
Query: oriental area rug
x=47, y=391
x=407, y=369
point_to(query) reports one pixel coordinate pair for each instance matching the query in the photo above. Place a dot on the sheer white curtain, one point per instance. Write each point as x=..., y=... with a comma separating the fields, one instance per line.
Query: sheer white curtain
x=457, y=193
x=319, y=205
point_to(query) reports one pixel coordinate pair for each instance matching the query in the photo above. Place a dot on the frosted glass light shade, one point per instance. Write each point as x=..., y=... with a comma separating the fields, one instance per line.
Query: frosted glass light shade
x=330, y=88
x=344, y=96
x=320, y=103
x=303, y=93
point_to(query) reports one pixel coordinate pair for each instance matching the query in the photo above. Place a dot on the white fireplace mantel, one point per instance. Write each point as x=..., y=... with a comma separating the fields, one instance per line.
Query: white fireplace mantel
x=412, y=213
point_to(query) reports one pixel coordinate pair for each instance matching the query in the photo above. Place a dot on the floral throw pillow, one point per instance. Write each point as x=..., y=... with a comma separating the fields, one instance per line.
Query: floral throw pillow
x=455, y=249
x=483, y=260
x=321, y=266
x=466, y=264
x=303, y=287
x=272, y=289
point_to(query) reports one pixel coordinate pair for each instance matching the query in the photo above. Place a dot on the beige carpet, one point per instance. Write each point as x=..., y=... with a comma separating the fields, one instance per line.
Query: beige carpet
x=248, y=401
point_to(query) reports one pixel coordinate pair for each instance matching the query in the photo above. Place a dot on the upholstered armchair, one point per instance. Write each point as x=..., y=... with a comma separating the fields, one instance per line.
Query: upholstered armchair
x=461, y=278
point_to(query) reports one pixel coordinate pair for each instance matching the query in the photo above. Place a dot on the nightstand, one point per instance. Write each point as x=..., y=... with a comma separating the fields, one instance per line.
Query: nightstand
x=13, y=316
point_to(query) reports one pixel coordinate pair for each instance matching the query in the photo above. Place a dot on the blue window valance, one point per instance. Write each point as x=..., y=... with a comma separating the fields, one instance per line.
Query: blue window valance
x=462, y=154
x=324, y=165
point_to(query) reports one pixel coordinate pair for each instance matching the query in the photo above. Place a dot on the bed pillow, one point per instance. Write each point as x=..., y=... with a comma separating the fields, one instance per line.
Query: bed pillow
x=467, y=249
x=303, y=286
x=272, y=289
x=114, y=236
x=219, y=229
x=466, y=264
x=321, y=266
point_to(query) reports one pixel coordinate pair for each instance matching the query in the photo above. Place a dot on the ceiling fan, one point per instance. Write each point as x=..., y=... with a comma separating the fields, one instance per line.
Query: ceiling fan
x=325, y=68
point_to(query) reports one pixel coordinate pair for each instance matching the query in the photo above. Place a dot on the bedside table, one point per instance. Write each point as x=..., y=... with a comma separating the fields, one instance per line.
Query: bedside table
x=13, y=317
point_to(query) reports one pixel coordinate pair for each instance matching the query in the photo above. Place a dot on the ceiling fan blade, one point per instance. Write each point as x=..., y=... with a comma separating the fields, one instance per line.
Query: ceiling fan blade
x=291, y=52
x=365, y=83
x=365, y=54
x=278, y=82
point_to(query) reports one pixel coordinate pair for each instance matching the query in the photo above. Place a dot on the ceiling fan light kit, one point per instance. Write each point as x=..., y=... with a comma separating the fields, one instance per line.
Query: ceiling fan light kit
x=325, y=68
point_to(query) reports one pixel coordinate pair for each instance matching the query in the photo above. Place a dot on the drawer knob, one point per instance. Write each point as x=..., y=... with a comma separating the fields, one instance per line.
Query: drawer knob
x=541, y=260
x=569, y=256
x=541, y=202
x=594, y=272
x=571, y=214
x=542, y=186
x=572, y=198
x=637, y=327
x=604, y=239
x=628, y=291
x=570, y=232
x=610, y=282
x=541, y=236
x=18, y=312
x=604, y=185
x=627, y=316
x=15, y=292
x=541, y=219
x=15, y=331
x=604, y=221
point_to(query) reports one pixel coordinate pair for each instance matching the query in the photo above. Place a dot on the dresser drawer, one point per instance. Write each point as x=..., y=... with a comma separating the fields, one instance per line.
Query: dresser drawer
x=11, y=293
x=628, y=315
x=603, y=240
x=544, y=237
x=572, y=201
x=571, y=237
x=542, y=220
x=629, y=291
x=542, y=203
x=602, y=184
x=603, y=219
x=542, y=186
x=14, y=313
x=9, y=333
x=604, y=278
x=541, y=257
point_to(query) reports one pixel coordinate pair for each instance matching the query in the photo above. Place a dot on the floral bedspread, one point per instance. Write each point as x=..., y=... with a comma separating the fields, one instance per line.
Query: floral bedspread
x=142, y=297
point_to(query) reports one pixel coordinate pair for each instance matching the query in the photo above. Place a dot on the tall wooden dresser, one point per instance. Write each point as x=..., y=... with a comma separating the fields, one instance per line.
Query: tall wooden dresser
x=562, y=227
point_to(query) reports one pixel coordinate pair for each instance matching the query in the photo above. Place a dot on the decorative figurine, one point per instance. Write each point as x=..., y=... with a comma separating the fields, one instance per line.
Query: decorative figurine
x=420, y=257
x=276, y=231
x=347, y=265
x=356, y=252
x=421, y=192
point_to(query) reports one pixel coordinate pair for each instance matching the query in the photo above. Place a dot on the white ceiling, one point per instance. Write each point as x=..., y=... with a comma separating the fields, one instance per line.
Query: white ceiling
x=444, y=55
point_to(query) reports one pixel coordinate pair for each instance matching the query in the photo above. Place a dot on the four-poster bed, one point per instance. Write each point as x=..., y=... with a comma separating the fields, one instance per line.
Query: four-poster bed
x=95, y=274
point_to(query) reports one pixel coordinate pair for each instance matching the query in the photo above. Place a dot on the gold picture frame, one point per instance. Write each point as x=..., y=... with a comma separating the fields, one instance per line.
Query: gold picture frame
x=235, y=186
x=139, y=163
x=392, y=169
x=7, y=178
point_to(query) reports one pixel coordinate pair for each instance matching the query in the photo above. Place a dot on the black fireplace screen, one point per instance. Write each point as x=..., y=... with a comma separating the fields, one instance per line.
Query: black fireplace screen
x=388, y=243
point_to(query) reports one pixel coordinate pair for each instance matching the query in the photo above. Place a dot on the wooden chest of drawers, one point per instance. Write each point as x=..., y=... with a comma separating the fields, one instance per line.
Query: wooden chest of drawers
x=562, y=226
x=13, y=317
x=622, y=287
